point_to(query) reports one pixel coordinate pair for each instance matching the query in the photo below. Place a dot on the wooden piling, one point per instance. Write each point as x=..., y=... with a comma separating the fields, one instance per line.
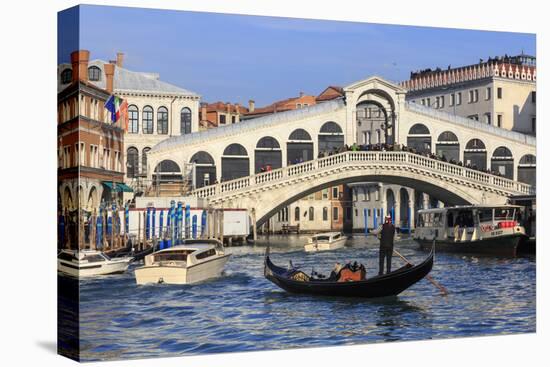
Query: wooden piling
x=138, y=237
x=144, y=232
x=254, y=230
x=221, y=224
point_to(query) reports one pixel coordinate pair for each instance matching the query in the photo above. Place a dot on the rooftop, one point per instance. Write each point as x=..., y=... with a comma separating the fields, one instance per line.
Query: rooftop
x=131, y=81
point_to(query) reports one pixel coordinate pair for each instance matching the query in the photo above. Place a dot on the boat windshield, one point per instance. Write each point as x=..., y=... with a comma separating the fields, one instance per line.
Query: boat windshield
x=321, y=238
x=171, y=256
x=504, y=213
x=66, y=256
x=94, y=258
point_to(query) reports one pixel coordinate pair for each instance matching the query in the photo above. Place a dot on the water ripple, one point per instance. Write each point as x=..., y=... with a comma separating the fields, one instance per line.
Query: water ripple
x=242, y=311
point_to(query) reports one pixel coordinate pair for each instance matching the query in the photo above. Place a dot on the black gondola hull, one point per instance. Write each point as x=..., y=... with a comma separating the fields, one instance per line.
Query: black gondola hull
x=379, y=286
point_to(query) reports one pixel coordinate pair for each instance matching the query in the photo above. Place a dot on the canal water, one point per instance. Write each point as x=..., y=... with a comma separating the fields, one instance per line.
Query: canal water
x=242, y=311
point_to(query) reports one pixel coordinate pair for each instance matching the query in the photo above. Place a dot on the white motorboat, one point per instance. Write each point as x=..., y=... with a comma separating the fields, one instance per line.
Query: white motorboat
x=482, y=229
x=325, y=242
x=85, y=263
x=191, y=262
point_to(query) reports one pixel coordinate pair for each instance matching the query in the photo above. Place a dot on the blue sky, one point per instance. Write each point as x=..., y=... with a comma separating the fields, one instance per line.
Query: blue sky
x=234, y=58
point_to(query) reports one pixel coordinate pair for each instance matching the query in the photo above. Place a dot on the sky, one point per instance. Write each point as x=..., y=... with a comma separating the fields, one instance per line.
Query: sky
x=234, y=58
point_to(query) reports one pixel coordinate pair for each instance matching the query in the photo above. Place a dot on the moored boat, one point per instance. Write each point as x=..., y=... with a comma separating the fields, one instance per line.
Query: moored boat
x=86, y=263
x=479, y=229
x=191, y=262
x=344, y=283
x=325, y=242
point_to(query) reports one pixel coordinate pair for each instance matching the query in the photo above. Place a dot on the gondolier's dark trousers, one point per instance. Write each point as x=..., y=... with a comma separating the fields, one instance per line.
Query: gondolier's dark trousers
x=385, y=253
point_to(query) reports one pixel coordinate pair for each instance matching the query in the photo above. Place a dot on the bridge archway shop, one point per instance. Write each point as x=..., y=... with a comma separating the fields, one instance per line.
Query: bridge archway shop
x=299, y=147
x=235, y=162
x=420, y=139
x=502, y=162
x=267, y=154
x=205, y=169
x=448, y=146
x=167, y=171
x=475, y=154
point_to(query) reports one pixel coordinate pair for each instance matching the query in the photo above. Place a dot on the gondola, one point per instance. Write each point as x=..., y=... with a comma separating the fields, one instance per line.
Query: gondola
x=378, y=286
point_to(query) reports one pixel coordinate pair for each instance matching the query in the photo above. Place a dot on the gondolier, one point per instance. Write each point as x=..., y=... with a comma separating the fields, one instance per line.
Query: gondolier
x=386, y=233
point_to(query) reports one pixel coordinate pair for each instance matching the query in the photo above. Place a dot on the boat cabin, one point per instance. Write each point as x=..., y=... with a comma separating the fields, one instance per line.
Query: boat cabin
x=184, y=255
x=465, y=223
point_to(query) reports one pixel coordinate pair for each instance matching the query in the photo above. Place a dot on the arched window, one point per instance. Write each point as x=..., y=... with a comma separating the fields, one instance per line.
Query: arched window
x=202, y=158
x=527, y=169
x=94, y=74
x=330, y=137
x=299, y=134
x=132, y=162
x=167, y=171
x=447, y=146
x=185, y=121
x=502, y=162
x=297, y=214
x=162, y=120
x=419, y=139
x=475, y=154
x=144, y=153
x=325, y=213
x=528, y=160
x=133, y=119
x=147, y=120
x=419, y=129
x=267, y=154
x=475, y=144
x=235, y=149
x=235, y=162
x=448, y=137
x=66, y=76
x=205, y=170
x=268, y=142
x=331, y=128
x=299, y=147
x=311, y=213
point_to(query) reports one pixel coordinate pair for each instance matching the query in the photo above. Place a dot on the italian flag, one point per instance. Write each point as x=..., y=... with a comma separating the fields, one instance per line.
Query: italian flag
x=118, y=108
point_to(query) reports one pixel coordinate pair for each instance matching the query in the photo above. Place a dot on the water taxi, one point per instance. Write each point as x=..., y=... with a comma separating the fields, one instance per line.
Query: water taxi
x=86, y=263
x=482, y=229
x=191, y=262
x=325, y=242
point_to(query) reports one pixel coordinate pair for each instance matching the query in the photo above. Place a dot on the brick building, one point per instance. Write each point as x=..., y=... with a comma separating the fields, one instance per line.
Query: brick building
x=90, y=147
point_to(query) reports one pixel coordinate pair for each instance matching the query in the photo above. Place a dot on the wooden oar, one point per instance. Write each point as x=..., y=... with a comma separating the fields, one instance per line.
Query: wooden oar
x=429, y=277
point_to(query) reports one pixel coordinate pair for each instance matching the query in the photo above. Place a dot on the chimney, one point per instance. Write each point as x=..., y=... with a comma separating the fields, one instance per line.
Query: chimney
x=237, y=108
x=301, y=94
x=251, y=105
x=228, y=107
x=79, y=61
x=109, y=76
x=119, y=59
x=204, y=116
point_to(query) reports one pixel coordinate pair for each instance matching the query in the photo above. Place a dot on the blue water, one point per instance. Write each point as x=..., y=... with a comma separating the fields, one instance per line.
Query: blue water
x=242, y=311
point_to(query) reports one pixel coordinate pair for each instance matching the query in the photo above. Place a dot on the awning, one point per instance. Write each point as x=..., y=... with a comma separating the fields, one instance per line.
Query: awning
x=118, y=186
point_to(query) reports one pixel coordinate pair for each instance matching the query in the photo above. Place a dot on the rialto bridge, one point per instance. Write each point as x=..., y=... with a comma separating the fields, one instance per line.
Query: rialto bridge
x=227, y=156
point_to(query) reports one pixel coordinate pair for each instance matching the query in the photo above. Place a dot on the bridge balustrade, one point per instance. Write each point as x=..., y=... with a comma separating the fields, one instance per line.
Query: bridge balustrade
x=362, y=156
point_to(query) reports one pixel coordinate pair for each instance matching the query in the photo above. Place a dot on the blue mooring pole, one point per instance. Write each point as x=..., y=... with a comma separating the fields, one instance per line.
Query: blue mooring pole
x=179, y=219
x=172, y=223
x=392, y=215
x=409, y=220
x=203, y=223
x=194, y=226
x=366, y=219
x=374, y=218
x=161, y=236
x=187, y=220
x=153, y=220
